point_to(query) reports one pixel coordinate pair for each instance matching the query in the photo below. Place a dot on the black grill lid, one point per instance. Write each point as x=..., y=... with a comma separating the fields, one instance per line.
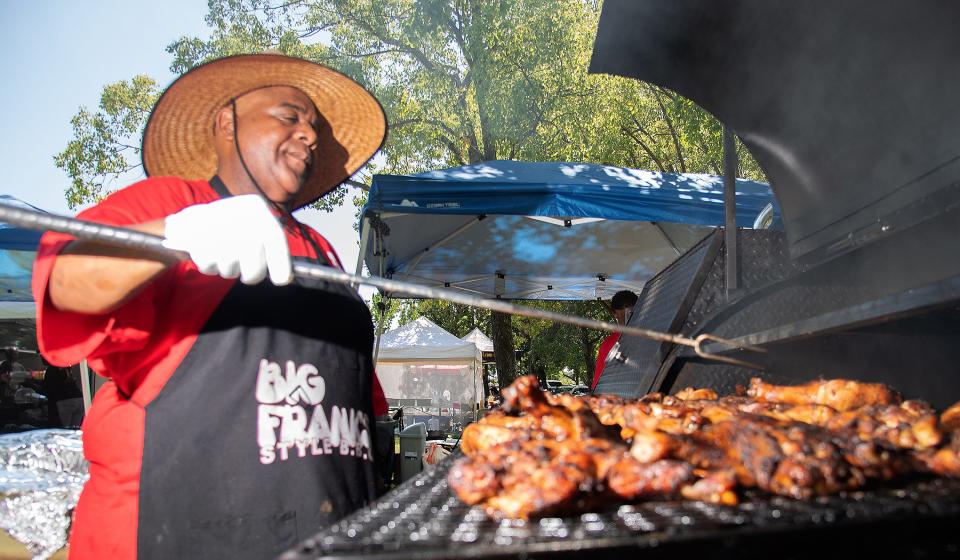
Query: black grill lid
x=850, y=107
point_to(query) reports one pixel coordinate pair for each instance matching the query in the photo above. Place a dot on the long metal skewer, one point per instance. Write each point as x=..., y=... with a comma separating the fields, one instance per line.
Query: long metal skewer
x=132, y=239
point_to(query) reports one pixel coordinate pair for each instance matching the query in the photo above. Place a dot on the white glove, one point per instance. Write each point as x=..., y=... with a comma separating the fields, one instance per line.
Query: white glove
x=235, y=236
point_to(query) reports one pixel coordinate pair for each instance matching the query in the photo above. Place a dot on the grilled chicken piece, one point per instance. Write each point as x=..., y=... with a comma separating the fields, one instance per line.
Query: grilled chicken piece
x=604, y=455
x=909, y=425
x=632, y=479
x=535, y=476
x=753, y=453
x=716, y=487
x=945, y=461
x=524, y=395
x=473, y=481
x=840, y=394
x=504, y=420
x=546, y=454
x=700, y=454
x=787, y=458
x=950, y=419
x=651, y=445
x=815, y=414
x=691, y=394
x=479, y=436
x=548, y=488
x=559, y=418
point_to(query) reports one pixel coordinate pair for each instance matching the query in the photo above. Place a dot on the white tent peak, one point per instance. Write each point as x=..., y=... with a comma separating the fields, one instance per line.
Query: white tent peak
x=483, y=342
x=424, y=338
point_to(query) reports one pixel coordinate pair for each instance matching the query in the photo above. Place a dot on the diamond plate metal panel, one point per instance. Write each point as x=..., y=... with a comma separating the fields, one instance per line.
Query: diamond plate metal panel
x=662, y=306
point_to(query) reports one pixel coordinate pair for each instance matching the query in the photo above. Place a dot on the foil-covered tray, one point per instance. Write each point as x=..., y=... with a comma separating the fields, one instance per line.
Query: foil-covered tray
x=41, y=475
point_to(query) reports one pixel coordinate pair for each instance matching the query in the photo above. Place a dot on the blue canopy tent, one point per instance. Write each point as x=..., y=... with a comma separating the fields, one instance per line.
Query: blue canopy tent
x=544, y=230
x=17, y=250
x=18, y=316
x=17, y=311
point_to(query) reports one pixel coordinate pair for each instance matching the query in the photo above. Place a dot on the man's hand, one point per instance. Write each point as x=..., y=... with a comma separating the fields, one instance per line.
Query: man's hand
x=235, y=236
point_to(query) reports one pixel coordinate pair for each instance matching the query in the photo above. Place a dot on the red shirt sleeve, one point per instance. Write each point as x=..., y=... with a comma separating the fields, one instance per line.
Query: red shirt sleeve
x=602, y=352
x=65, y=338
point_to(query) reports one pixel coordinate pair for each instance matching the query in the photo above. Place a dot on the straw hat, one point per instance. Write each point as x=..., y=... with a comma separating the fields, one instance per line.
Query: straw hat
x=178, y=138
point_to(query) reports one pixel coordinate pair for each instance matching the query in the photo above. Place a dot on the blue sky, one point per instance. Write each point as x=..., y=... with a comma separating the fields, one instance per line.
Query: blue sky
x=56, y=55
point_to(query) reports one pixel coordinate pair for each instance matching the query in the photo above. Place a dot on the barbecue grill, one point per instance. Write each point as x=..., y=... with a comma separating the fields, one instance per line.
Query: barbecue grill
x=850, y=108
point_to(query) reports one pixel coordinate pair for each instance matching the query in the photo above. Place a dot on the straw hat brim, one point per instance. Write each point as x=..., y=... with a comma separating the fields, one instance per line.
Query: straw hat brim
x=178, y=139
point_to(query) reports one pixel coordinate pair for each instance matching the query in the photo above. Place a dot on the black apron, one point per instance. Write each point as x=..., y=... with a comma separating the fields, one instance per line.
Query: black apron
x=262, y=435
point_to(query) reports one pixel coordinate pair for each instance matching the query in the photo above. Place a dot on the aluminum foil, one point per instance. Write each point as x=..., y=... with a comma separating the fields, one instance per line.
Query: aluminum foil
x=41, y=475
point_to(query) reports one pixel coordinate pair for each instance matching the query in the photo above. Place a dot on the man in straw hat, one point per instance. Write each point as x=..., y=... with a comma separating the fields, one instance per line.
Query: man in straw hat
x=237, y=419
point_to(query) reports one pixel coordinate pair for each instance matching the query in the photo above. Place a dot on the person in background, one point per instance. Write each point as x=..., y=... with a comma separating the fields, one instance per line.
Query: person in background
x=70, y=406
x=494, y=399
x=621, y=306
x=51, y=387
x=6, y=388
x=10, y=365
x=64, y=397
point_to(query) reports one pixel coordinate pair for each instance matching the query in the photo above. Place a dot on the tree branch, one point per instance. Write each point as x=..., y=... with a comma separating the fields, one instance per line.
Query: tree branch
x=374, y=53
x=417, y=54
x=358, y=184
x=646, y=149
x=673, y=131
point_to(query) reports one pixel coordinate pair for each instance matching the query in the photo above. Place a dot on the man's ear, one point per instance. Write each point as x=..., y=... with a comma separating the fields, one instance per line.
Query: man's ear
x=223, y=125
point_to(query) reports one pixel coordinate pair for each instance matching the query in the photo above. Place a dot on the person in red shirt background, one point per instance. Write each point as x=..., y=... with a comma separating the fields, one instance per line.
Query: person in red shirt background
x=239, y=413
x=621, y=306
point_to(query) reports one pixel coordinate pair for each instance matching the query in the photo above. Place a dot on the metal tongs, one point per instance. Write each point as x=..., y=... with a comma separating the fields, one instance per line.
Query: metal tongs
x=132, y=239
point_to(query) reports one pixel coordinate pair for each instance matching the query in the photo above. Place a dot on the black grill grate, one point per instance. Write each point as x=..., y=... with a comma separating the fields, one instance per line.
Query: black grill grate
x=422, y=519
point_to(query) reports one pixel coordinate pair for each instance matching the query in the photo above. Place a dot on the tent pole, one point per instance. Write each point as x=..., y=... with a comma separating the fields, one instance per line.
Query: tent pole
x=376, y=343
x=364, y=239
x=476, y=409
x=86, y=385
x=663, y=234
x=730, y=208
x=383, y=310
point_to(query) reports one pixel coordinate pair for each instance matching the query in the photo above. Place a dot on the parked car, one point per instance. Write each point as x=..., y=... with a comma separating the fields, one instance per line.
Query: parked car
x=578, y=390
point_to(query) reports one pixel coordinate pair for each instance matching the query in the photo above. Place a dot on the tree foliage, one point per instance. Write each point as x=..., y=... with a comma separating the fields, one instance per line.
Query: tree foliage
x=106, y=143
x=461, y=81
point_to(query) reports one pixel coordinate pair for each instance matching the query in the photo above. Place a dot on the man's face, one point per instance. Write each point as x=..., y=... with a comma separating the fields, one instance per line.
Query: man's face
x=278, y=136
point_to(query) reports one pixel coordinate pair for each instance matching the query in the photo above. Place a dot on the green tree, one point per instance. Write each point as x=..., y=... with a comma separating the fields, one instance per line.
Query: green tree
x=668, y=132
x=106, y=143
x=548, y=348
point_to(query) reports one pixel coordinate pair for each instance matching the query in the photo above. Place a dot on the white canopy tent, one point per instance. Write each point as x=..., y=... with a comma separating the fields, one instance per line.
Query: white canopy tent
x=17, y=310
x=483, y=342
x=421, y=365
